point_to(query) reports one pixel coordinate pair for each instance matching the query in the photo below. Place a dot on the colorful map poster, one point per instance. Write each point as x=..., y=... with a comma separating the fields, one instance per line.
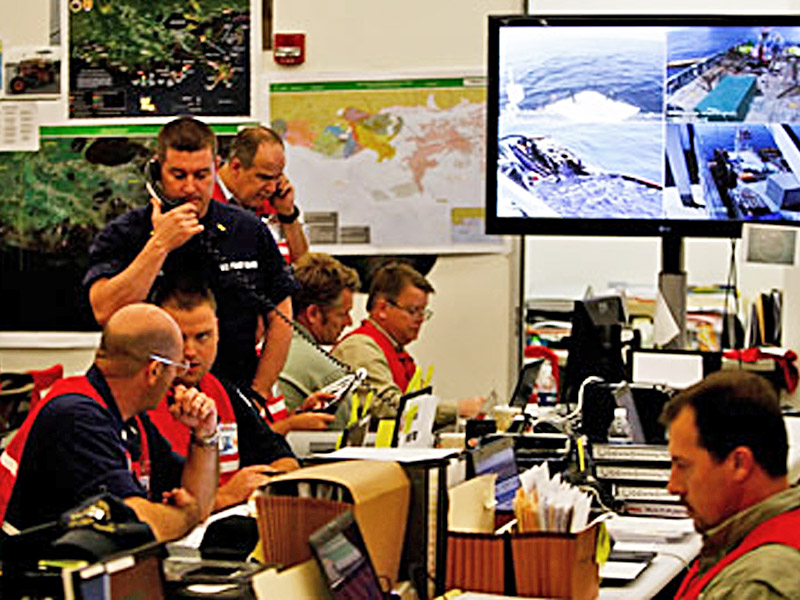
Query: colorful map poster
x=136, y=58
x=392, y=164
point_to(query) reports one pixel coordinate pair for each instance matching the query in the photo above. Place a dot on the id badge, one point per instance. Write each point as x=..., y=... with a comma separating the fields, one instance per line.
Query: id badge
x=228, y=439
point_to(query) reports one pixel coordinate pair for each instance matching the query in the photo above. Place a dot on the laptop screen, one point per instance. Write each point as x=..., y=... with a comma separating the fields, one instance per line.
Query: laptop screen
x=624, y=398
x=525, y=383
x=343, y=558
x=498, y=457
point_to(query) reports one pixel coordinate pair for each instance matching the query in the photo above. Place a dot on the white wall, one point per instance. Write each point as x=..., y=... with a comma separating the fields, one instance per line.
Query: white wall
x=470, y=339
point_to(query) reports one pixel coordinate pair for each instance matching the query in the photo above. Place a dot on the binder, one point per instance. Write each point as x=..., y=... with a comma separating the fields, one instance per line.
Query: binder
x=425, y=545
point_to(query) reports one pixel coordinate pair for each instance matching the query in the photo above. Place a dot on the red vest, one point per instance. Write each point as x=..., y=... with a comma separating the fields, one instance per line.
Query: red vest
x=781, y=529
x=401, y=364
x=179, y=436
x=10, y=458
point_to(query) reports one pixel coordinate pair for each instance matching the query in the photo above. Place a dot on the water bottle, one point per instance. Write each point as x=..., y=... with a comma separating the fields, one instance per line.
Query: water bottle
x=620, y=432
x=545, y=385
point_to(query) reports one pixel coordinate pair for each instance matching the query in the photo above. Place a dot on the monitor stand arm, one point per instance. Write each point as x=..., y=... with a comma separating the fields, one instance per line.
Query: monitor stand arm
x=670, y=326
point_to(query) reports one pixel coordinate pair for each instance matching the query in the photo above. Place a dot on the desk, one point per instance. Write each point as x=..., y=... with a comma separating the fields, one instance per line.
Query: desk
x=672, y=557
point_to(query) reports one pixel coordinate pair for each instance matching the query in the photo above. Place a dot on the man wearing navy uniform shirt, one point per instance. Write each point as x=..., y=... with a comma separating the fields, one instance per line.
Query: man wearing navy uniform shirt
x=232, y=247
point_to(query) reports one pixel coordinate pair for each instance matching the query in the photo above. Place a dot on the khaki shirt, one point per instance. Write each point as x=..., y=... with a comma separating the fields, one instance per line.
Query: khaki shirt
x=362, y=351
x=769, y=572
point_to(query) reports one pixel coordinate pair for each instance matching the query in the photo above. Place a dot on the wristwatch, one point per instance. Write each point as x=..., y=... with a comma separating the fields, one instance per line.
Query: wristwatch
x=210, y=441
x=288, y=219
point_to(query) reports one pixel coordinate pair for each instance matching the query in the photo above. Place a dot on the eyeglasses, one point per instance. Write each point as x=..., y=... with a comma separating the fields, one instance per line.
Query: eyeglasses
x=182, y=367
x=416, y=312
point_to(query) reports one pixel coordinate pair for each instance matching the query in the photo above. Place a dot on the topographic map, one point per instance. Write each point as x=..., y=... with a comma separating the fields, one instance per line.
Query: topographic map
x=391, y=163
x=137, y=58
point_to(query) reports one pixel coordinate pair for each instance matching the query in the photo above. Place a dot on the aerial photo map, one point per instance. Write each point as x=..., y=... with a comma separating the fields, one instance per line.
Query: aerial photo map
x=52, y=204
x=142, y=58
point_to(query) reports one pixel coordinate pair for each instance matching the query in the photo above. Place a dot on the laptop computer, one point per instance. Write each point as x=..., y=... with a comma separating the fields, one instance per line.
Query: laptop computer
x=498, y=457
x=525, y=383
x=342, y=555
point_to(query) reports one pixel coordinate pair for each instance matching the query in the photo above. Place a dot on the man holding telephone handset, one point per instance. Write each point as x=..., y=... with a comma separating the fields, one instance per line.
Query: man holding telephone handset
x=183, y=229
x=253, y=178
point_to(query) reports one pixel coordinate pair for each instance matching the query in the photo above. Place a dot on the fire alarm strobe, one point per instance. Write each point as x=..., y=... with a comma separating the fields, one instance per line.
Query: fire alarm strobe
x=289, y=48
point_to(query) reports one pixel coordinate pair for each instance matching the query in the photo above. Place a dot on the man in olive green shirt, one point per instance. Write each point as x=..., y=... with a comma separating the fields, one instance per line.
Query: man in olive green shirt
x=728, y=444
x=322, y=304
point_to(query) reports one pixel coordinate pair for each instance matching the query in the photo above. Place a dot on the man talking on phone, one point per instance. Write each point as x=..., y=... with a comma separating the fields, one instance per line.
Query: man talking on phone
x=183, y=229
x=253, y=178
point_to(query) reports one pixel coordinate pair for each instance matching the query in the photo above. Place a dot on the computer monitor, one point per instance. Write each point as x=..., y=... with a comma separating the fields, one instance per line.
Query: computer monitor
x=676, y=368
x=498, y=457
x=641, y=125
x=344, y=560
x=595, y=344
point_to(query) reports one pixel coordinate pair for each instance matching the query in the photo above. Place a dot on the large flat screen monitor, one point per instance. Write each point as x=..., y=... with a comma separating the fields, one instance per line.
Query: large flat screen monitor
x=625, y=125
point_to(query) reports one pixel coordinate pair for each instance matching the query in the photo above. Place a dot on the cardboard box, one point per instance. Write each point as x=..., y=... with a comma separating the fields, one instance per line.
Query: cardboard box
x=377, y=492
x=542, y=564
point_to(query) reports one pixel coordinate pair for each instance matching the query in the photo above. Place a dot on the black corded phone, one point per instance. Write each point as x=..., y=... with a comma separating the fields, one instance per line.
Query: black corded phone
x=340, y=387
x=152, y=181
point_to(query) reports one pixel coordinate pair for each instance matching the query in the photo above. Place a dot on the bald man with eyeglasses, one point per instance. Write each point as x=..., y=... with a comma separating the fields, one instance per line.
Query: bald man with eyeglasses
x=91, y=435
x=397, y=306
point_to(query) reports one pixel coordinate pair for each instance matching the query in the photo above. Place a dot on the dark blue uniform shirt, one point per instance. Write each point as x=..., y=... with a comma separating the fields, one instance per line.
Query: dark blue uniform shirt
x=76, y=449
x=236, y=255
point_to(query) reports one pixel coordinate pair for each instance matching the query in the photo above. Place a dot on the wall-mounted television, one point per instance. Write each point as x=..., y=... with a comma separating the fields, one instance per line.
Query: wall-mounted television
x=642, y=125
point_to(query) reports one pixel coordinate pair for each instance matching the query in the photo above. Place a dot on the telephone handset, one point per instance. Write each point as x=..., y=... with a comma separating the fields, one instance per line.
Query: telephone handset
x=340, y=388
x=152, y=181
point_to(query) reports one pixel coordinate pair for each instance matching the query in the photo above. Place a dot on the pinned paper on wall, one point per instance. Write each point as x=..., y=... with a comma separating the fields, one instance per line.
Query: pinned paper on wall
x=19, y=127
x=32, y=72
x=771, y=245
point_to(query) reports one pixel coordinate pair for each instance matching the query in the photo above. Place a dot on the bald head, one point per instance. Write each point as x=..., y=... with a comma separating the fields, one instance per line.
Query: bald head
x=135, y=332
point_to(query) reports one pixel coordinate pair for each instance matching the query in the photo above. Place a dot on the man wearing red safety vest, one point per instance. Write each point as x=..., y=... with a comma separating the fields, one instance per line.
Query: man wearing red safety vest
x=249, y=451
x=397, y=306
x=90, y=435
x=728, y=445
x=253, y=178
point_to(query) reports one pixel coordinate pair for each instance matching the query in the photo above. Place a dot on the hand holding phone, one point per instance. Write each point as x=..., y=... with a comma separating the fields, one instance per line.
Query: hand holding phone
x=174, y=228
x=282, y=199
x=339, y=389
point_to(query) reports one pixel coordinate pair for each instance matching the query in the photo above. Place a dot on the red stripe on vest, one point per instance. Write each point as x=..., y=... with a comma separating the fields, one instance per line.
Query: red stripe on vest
x=781, y=529
x=72, y=385
x=401, y=364
x=179, y=435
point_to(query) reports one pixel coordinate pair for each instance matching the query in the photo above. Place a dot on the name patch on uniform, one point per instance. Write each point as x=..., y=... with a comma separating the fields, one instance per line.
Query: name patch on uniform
x=239, y=265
